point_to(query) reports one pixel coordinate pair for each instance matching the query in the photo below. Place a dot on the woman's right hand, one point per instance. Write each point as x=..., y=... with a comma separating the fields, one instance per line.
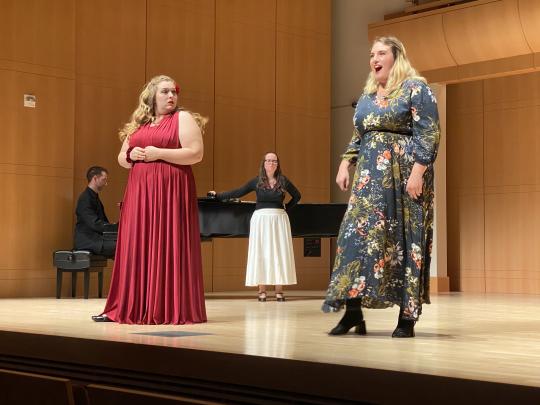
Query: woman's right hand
x=342, y=178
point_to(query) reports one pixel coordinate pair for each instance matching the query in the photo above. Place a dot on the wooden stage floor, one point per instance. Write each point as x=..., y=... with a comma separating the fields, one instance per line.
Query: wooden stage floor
x=465, y=345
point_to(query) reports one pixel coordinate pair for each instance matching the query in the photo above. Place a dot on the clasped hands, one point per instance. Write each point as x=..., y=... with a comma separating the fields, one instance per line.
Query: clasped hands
x=147, y=154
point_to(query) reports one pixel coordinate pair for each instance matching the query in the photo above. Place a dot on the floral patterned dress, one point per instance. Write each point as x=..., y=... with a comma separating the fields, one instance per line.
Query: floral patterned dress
x=384, y=243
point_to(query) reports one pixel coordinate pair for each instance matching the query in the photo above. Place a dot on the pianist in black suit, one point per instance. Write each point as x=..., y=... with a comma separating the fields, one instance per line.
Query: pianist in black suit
x=270, y=254
x=91, y=218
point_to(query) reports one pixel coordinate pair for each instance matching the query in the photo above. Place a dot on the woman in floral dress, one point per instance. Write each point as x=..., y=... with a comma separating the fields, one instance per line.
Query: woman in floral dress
x=383, y=248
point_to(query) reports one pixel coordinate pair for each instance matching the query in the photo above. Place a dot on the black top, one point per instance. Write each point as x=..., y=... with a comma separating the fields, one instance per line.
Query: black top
x=91, y=221
x=266, y=197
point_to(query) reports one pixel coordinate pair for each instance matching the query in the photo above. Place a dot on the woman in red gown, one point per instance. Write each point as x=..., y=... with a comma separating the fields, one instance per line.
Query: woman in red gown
x=157, y=275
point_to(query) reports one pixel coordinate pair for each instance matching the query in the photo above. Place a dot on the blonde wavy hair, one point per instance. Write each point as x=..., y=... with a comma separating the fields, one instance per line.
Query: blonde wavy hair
x=145, y=112
x=401, y=70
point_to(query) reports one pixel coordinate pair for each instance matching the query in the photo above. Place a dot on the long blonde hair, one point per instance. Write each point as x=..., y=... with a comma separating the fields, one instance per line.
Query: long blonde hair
x=145, y=111
x=401, y=70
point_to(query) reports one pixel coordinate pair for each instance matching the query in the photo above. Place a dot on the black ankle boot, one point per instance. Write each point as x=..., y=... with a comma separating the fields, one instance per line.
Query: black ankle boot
x=353, y=317
x=405, y=327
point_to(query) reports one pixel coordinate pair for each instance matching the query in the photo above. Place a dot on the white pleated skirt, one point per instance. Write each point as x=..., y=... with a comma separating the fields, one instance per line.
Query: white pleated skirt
x=270, y=253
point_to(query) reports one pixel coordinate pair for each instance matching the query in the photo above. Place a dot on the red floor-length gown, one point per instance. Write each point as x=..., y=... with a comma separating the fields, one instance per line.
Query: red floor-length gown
x=157, y=275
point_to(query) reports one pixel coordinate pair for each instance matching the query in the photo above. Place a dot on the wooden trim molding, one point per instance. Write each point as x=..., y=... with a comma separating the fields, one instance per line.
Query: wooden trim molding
x=439, y=284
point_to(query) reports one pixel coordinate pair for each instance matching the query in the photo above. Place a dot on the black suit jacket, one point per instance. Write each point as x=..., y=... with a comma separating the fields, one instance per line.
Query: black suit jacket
x=91, y=221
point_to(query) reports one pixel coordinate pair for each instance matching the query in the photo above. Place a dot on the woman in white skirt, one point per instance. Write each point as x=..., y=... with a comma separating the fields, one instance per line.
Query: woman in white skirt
x=270, y=254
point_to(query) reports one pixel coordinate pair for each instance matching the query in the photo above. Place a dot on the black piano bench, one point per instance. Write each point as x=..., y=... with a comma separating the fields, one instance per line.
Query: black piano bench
x=75, y=261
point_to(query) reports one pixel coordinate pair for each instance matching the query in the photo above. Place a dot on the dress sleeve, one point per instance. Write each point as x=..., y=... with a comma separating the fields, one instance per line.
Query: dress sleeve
x=295, y=194
x=239, y=192
x=425, y=123
x=351, y=153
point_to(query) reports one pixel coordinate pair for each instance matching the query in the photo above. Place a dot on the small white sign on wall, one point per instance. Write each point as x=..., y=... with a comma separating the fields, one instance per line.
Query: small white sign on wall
x=30, y=100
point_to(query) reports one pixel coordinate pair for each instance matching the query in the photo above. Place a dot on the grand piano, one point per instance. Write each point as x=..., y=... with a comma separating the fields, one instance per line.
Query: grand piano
x=219, y=219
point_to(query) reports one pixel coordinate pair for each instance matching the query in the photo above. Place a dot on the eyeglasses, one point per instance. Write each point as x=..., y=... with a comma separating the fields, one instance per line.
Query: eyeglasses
x=275, y=162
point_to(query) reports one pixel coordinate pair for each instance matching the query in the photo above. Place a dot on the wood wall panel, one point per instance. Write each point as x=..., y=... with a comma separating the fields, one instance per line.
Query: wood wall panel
x=474, y=284
x=312, y=273
x=496, y=68
x=510, y=142
x=106, y=91
x=41, y=136
x=246, y=51
x=245, y=89
x=498, y=220
x=224, y=54
x=303, y=95
x=452, y=243
x=512, y=117
x=25, y=286
x=303, y=91
x=208, y=265
x=110, y=42
x=471, y=241
x=110, y=36
x=471, y=41
x=512, y=182
x=96, y=140
x=240, y=144
x=466, y=171
x=510, y=236
x=303, y=56
x=36, y=205
x=303, y=145
x=230, y=259
x=413, y=35
x=35, y=217
x=39, y=34
x=513, y=286
x=529, y=15
x=511, y=92
x=36, y=169
x=483, y=23
x=180, y=44
x=245, y=82
x=465, y=182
